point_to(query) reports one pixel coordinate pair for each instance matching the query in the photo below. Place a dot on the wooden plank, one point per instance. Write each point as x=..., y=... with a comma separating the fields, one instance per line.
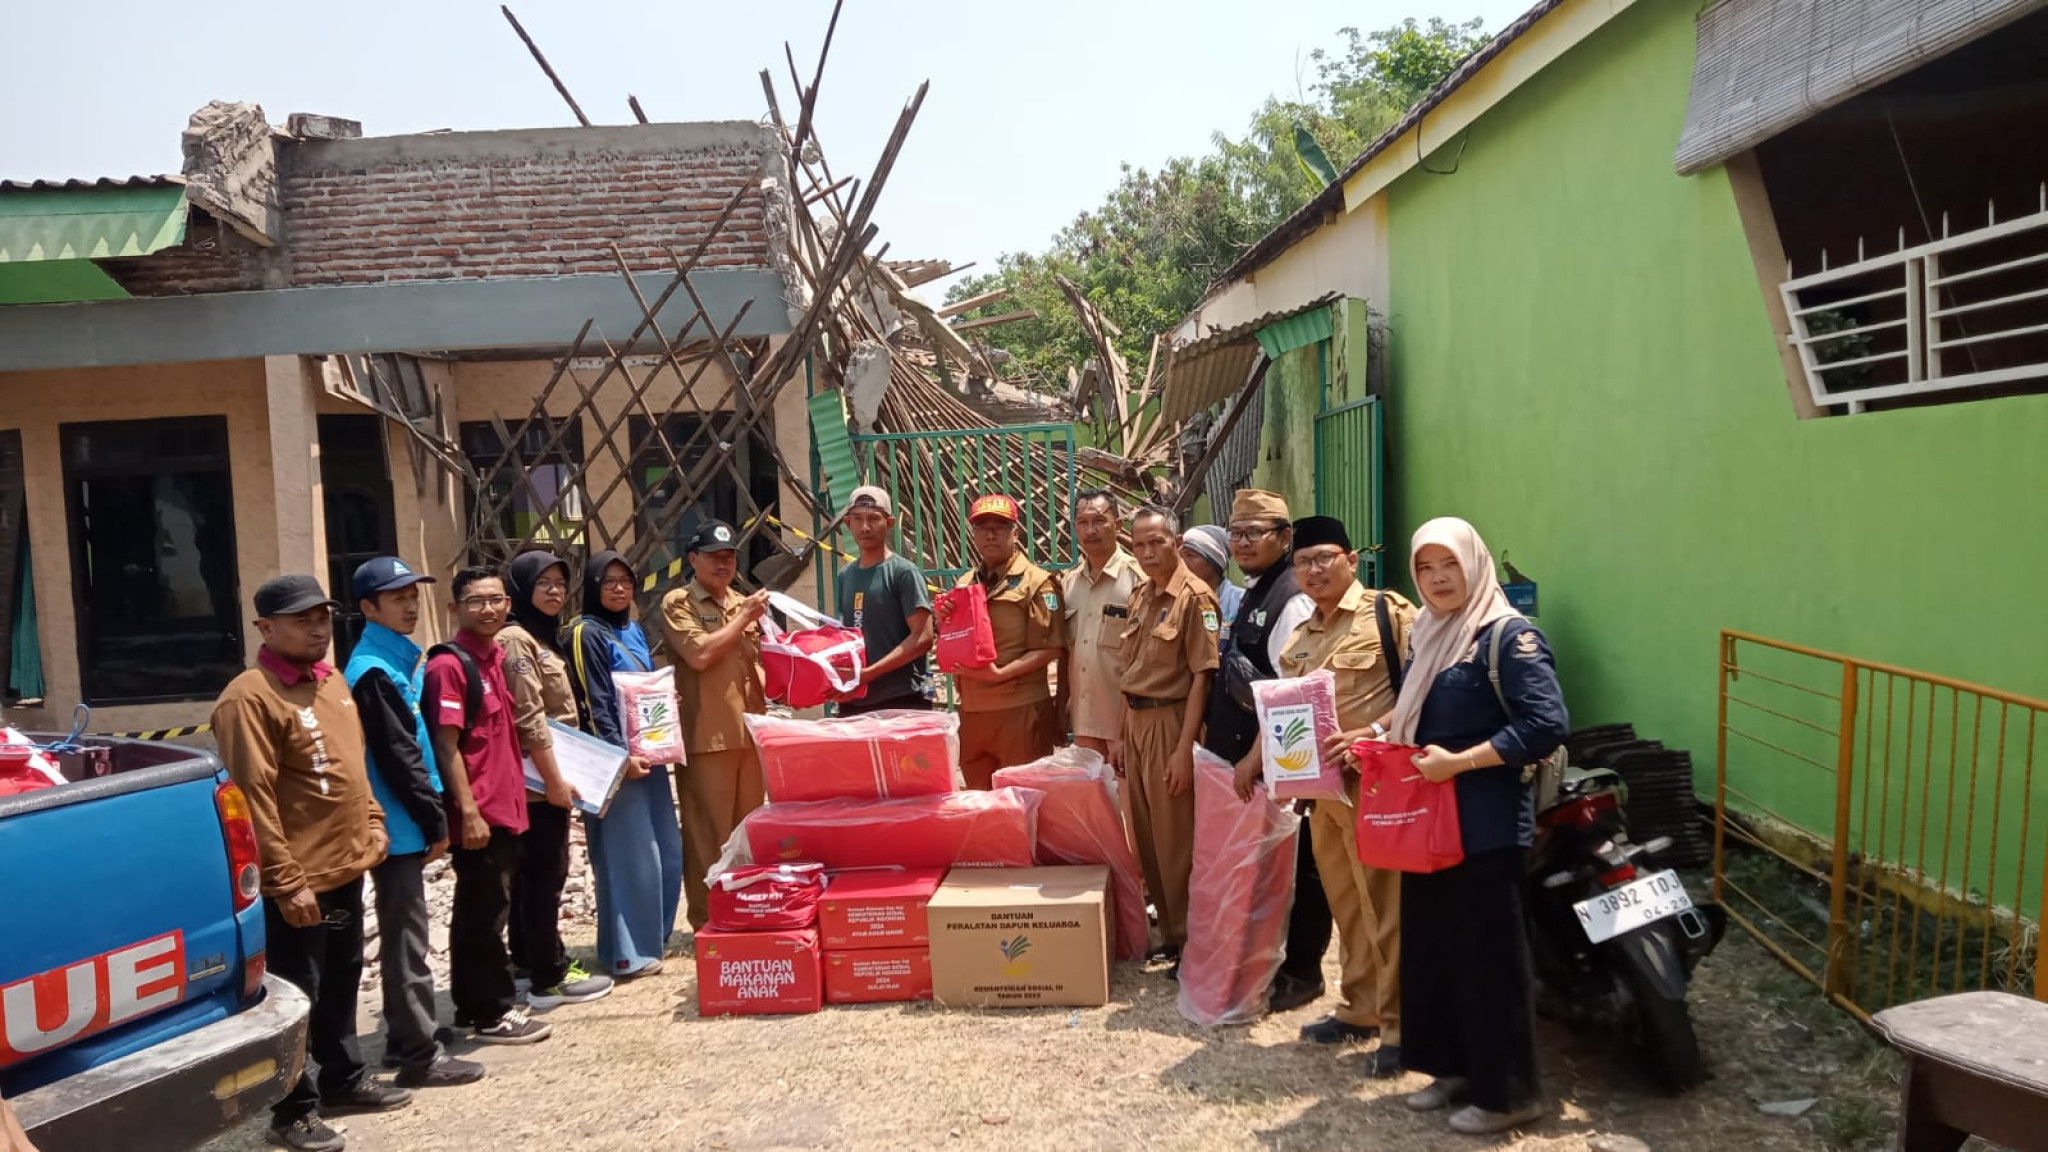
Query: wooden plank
x=971, y=303
x=992, y=321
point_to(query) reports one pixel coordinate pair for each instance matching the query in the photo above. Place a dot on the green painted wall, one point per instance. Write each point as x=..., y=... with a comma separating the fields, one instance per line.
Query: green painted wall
x=1581, y=364
x=1294, y=393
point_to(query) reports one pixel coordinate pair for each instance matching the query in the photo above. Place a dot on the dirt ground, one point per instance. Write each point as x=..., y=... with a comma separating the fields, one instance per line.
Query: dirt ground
x=639, y=1070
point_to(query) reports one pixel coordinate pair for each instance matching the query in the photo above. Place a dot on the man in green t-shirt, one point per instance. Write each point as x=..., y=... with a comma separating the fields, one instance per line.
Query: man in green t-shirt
x=883, y=596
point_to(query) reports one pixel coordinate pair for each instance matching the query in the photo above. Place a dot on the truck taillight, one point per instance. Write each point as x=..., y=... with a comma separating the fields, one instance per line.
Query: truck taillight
x=252, y=976
x=244, y=869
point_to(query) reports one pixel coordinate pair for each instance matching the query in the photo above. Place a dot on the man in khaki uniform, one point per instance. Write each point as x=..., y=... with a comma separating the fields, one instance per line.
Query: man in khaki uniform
x=1098, y=594
x=1170, y=651
x=1348, y=635
x=714, y=634
x=1007, y=714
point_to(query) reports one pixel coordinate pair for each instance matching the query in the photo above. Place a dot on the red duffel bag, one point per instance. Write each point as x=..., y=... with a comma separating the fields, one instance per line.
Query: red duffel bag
x=807, y=668
x=966, y=638
x=1405, y=822
x=766, y=897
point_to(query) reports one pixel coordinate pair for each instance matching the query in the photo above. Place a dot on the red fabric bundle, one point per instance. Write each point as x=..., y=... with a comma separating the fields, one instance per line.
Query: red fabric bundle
x=650, y=716
x=994, y=829
x=1295, y=717
x=1404, y=821
x=805, y=669
x=1081, y=823
x=1239, y=898
x=966, y=638
x=766, y=897
x=22, y=767
x=873, y=757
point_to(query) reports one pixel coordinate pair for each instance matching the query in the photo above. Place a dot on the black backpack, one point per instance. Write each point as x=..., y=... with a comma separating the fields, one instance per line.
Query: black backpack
x=472, y=682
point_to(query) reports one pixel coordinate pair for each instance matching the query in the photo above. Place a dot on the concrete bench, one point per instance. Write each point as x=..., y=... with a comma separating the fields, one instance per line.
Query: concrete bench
x=1976, y=1065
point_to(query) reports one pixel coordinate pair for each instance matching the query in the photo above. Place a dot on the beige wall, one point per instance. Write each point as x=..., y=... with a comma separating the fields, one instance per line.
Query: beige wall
x=273, y=467
x=1347, y=256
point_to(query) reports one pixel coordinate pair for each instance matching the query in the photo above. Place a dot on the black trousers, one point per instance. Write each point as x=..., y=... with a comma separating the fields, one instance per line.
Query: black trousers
x=479, y=970
x=1309, y=925
x=900, y=704
x=536, y=921
x=325, y=961
x=1466, y=999
x=408, y=982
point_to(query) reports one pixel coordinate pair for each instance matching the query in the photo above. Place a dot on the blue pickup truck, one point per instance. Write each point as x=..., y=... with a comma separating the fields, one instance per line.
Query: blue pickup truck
x=135, y=1013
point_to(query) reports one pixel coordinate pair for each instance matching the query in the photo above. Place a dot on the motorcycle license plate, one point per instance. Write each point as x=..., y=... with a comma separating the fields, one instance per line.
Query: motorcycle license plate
x=1632, y=905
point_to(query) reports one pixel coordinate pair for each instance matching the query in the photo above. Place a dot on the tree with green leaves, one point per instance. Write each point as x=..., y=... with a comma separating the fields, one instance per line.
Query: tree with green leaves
x=1145, y=255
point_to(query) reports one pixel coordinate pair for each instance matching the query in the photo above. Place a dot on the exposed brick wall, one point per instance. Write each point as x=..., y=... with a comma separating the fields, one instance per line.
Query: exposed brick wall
x=213, y=258
x=410, y=218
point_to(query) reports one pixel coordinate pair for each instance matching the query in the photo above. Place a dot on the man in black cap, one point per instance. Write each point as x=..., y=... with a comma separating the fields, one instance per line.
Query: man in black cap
x=714, y=637
x=289, y=735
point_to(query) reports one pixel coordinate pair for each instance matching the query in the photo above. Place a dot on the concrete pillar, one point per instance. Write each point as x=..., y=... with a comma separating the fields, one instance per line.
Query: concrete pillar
x=291, y=390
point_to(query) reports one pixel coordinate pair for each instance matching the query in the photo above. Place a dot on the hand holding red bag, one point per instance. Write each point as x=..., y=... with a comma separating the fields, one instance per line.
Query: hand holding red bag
x=1405, y=822
x=966, y=638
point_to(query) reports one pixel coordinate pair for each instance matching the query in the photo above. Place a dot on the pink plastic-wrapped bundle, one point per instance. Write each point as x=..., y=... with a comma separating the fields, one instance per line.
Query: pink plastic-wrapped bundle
x=650, y=716
x=1082, y=823
x=879, y=756
x=1295, y=717
x=1239, y=898
x=985, y=829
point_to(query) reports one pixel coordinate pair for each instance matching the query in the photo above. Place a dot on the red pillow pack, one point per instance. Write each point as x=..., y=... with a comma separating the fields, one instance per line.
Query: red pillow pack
x=878, y=756
x=1295, y=717
x=1081, y=823
x=766, y=897
x=966, y=638
x=1240, y=895
x=991, y=829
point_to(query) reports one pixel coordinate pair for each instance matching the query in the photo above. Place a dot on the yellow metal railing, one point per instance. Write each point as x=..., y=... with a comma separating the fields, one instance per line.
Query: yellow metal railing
x=1929, y=877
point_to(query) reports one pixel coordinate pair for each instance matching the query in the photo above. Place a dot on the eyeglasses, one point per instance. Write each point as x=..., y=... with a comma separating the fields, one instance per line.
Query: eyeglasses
x=484, y=603
x=1317, y=561
x=551, y=586
x=625, y=582
x=1250, y=535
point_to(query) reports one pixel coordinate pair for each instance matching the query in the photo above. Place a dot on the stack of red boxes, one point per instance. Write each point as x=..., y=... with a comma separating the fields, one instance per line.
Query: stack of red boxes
x=872, y=926
x=759, y=956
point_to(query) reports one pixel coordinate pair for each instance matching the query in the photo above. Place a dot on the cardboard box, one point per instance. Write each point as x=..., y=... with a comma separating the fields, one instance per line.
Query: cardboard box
x=1021, y=937
x=758, y=973
x=879, y=908
x=875, y=975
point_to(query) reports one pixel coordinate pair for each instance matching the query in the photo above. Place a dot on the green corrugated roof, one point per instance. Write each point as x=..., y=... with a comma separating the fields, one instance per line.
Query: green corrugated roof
x=1283, y=336
x=92, y=223
x=840, y=471
x=57, y=282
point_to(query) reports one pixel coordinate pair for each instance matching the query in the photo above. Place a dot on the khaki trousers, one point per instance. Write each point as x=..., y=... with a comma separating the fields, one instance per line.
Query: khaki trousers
x=1366, y=903
x=714, y=792
x=1162, y=824
x=1004, y=738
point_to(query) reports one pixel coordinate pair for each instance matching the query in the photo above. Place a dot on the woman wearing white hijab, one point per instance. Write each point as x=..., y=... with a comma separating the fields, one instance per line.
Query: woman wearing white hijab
x=1465, y=980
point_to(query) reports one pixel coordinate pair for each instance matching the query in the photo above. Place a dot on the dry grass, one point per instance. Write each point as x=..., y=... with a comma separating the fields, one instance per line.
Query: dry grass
x=639, y=1070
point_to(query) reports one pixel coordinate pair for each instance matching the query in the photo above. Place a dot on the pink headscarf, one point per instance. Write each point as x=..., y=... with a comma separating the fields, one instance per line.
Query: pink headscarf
x=1442, y=639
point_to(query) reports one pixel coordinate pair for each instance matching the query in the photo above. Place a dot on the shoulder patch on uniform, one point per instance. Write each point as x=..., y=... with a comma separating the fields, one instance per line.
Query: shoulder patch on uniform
x=1209, y=622
x=1052, y=600
x=1015, y=580
x=1527, y=647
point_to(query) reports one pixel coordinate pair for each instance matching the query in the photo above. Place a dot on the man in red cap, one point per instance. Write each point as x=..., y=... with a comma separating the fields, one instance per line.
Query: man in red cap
x=1007, y=714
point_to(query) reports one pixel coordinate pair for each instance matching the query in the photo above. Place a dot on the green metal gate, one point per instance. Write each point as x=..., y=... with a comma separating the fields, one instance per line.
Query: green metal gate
x=1349, y=473
x=932, y=476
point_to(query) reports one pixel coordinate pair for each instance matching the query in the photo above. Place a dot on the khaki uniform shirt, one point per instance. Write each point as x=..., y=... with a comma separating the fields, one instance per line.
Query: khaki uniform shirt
x=714, y=700
x=1098, y=607
x=1027, y=614
x=1171, y=635
x=541, y=691
x=1348, y=644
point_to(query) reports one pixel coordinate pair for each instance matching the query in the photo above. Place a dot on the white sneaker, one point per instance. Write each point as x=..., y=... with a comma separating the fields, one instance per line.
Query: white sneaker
x=1438, y=1095
x=1476, y=1121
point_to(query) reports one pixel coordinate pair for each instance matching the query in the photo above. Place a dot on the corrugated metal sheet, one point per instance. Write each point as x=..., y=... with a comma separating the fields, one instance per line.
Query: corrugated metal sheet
x=91, y=222
x=1285, y=335
x=839, y=471
x=1762, y=66
x=1233, y=467
x=74, y=184
x=1206, y=372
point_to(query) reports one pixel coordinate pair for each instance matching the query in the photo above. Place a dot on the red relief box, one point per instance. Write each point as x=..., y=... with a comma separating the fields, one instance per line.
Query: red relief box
x=878, y=975
x=883, y=908
x=758, y=973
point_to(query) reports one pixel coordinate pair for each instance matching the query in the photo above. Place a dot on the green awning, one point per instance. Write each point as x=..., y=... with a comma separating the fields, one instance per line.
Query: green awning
x=57, y=282
x=90, y=223
x=1297, y=331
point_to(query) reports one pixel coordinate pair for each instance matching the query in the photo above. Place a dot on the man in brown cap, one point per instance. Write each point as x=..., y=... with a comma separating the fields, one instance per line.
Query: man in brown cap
x=1169, y=655
x=1007, y=714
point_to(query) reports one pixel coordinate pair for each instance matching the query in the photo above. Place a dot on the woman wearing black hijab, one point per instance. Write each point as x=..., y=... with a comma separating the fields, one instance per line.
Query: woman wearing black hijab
x=636, y=847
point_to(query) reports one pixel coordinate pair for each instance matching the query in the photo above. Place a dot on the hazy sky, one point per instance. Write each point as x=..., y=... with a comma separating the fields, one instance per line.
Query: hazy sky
x=1032, y=105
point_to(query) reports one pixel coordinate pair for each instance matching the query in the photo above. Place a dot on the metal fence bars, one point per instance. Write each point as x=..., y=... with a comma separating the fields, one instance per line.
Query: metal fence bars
x=1928, y=878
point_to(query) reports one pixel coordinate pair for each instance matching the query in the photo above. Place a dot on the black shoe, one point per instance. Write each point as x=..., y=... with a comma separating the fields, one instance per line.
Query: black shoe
x=1173, y=973
x=1291, y=992
x=1163, y=953
x=1330, y=1030
x=1384, y=1062
x=444, y=1036
x=444, y=1072
x=307, y=1134
x=366, y=1096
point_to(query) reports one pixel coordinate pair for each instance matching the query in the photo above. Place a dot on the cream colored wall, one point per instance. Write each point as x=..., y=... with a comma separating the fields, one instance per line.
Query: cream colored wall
x=268, y=406
x=1346, y=256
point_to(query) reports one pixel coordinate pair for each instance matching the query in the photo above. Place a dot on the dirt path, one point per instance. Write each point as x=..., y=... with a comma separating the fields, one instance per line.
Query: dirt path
x=639, y=1070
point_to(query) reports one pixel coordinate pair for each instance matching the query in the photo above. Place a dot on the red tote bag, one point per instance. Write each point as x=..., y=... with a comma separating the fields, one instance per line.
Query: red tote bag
x=806, y=668
x=966, y=639
x=1405, y=822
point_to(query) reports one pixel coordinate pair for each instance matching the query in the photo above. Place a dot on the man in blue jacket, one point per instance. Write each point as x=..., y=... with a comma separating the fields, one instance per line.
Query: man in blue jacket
x=384, y=677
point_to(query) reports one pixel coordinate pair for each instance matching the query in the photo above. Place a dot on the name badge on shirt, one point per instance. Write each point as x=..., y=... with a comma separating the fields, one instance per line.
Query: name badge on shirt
x=1259, y=618
x=1117, y=611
